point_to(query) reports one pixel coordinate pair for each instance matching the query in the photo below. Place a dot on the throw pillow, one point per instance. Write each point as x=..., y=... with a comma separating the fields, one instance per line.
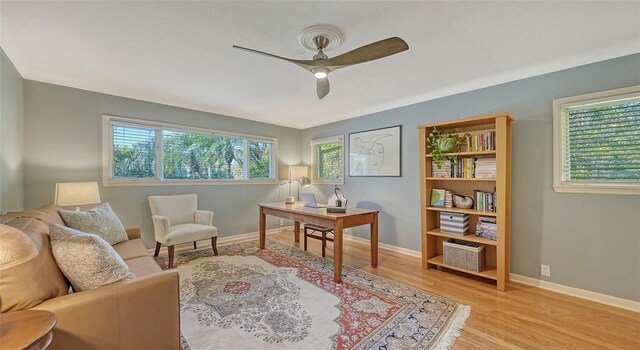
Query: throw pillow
x=86, y=259
x=100, y=220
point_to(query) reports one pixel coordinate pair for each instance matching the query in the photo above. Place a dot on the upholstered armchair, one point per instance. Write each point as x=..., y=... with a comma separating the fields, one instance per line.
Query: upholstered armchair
x=177, y=220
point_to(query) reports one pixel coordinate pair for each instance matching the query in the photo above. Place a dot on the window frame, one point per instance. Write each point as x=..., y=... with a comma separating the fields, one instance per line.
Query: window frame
x=107, y=154
x=314, y=166
x=598, y=187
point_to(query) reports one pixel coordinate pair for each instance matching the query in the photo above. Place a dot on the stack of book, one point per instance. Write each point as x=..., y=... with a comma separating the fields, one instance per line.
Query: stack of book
x=482, y=141
x=485, y=168
x=448, y=199
x=485, y=201
x=443, y=171
x=486, y=228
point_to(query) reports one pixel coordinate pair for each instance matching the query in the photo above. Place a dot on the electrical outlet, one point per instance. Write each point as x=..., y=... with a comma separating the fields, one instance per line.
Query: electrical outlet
x=281, y=222
x=545, y=270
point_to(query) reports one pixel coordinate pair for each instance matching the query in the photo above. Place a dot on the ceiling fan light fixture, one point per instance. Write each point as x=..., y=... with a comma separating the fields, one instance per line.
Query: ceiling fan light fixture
x=321, y=72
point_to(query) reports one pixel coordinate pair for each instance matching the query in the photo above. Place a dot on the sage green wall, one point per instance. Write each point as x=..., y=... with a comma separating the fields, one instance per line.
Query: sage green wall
x=590, y=241
x=63, y=133
x=11, y=136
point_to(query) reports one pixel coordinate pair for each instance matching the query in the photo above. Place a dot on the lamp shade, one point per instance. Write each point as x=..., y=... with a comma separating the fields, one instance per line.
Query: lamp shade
x=296, y=172
x=15, y=247
x=77, y=193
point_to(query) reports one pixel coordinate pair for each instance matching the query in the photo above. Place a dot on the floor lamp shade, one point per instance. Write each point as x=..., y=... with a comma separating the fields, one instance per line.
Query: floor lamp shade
x=77, y=193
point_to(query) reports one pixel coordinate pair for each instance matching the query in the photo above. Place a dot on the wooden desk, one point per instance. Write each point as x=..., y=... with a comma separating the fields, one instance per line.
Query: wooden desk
x=318, y=216
x=29, y=329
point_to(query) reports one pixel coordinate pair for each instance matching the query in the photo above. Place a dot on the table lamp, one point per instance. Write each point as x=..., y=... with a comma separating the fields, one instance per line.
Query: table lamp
x=296, y=174
x=77, y=193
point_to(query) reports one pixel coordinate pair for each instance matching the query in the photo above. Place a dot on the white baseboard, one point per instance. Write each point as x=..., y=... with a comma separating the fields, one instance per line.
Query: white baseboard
x=554, y=287
x=577, y=292
x=394, y=248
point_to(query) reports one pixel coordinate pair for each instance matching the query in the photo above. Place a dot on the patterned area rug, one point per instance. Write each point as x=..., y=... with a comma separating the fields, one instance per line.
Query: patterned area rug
x=285, y=298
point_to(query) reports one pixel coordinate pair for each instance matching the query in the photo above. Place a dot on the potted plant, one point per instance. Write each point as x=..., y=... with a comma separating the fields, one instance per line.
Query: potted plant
x=444, y=141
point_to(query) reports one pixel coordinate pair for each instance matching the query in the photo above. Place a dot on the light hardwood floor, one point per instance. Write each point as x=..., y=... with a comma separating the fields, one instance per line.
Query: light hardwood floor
x=522, y=317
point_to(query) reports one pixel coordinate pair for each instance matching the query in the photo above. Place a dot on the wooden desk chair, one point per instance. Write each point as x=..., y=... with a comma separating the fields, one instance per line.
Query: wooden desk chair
x=317, y=229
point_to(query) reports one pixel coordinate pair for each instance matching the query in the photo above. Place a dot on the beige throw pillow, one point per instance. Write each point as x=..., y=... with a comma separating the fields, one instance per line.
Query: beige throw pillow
x=86, y=259
x=100, y=220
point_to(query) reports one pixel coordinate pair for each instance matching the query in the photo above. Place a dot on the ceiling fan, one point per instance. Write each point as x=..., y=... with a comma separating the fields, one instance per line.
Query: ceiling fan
x=322, y=65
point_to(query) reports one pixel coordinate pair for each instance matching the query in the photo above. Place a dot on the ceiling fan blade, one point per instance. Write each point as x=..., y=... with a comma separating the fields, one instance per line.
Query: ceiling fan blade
x=370, y=52
x=323, y=87
x=308, y=65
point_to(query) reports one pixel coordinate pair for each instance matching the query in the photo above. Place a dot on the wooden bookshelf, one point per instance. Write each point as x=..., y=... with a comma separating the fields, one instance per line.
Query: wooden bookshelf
x=497, y=253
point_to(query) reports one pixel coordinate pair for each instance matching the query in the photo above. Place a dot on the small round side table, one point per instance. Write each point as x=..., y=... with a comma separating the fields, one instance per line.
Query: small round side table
x=29, y=329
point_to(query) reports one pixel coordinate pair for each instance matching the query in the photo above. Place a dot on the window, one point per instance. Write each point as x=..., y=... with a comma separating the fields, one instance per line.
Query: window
x=151, y=153
x=328, y=160
x=597, y=142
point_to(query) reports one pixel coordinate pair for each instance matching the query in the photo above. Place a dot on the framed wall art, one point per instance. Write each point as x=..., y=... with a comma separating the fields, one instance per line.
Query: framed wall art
x=375, y=152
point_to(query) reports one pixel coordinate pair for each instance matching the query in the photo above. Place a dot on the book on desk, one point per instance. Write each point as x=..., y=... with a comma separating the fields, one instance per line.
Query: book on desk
x=336, y=210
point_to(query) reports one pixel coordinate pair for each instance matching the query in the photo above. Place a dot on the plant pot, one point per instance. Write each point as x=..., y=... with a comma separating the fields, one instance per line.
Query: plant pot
x=447, y=144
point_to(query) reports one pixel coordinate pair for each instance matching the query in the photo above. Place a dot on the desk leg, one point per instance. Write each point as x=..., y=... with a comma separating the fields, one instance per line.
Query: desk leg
x=296, y=231
x=337, y=251
x=263, y=228
x=374, y=241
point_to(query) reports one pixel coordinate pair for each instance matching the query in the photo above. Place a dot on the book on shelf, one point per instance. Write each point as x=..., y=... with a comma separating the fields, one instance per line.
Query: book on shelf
x=485, y=168
x=485, y=201
x=437, y=197
x=487, y=228
x=469, y=168
x=484, y=141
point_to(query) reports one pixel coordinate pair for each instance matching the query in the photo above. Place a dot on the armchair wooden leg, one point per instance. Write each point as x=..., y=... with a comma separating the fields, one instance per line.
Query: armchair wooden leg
x=214, y=245
x=170, y=249
x=157, y=249
x=194, y=245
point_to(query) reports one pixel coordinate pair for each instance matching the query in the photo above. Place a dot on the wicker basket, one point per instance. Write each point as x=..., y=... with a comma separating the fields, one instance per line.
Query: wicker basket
x=463, y=254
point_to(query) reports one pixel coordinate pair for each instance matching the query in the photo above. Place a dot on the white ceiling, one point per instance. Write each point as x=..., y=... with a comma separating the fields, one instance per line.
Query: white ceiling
x=179, y=53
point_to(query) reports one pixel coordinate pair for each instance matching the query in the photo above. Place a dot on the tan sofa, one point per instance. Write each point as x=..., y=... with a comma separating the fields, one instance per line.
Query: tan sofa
x=141, y=313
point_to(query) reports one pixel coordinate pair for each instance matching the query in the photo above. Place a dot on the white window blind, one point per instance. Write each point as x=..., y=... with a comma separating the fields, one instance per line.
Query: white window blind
x=600, y=143
x=133, y=152
x=328, y=160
